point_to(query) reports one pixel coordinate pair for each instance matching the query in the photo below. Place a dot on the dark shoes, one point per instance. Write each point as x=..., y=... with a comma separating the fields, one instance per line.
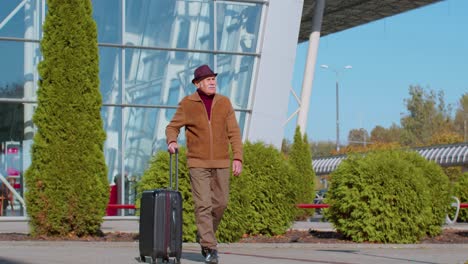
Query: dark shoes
x=210, y=255
x=204, y=250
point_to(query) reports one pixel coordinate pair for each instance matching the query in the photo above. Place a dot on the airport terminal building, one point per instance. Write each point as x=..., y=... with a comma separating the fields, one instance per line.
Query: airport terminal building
x=148, y=51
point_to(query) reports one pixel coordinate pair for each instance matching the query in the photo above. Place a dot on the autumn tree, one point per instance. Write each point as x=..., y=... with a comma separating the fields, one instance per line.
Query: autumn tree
x=381, y=134
x=322, y=148
x=358, y=137
x=461, y=117
x=427, y=115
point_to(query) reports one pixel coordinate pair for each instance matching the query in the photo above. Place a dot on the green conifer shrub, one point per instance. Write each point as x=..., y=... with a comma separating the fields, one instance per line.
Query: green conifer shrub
x=461, y=192
x=236, y=219
x=386, y=197
x=439, y=192
x=304, y=180
x=67, y=188
x=262, y=199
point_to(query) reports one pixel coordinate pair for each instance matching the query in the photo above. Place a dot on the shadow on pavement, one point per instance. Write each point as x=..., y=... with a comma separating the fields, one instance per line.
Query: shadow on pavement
x=193, y=256
x=11, y=261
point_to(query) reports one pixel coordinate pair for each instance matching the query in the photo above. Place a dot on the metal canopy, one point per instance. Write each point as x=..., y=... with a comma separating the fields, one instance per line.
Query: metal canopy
x=343, y=14
x=445, y=155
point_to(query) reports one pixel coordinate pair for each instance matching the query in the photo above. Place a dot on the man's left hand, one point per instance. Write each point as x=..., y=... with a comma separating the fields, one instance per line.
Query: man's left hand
x=236, y=167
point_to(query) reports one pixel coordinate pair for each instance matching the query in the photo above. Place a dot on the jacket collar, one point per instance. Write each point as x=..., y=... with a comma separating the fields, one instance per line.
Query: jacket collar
x=196, y=97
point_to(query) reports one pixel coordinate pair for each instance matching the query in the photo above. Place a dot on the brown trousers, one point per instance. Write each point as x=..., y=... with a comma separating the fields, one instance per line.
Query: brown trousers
x=210, y=191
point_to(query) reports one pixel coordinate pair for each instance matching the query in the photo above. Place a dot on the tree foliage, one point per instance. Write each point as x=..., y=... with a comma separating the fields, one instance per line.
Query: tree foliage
x=322, y=148
x=427, y=115
x=386, y=135
x=67, y=184
x=428, y=121
x=358, y=137
x=461, y=117
x=371, y=147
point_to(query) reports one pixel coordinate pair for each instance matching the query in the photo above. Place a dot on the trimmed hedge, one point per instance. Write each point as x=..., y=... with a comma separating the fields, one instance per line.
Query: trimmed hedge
x=387, y=196
x=461, y=191
x=261, y=198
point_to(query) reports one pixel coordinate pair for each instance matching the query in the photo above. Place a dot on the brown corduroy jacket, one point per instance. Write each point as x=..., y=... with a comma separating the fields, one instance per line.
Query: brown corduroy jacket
x=207, y=140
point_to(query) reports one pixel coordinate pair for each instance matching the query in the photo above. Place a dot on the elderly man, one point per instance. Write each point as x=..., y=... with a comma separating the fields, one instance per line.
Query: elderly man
x=210, y=128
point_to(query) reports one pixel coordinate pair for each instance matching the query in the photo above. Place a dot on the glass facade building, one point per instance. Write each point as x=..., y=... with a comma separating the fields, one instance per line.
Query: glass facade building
x=148, y=51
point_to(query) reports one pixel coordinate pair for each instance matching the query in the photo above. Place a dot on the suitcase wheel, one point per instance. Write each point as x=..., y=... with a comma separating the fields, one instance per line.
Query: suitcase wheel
x=166, y=260
x=161, y=260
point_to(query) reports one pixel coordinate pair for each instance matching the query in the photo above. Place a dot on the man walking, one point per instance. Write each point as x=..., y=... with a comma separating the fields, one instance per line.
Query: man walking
x=210, y=128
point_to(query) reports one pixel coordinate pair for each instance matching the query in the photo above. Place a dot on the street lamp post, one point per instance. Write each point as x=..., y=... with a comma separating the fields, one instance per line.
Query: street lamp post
x=337, y=72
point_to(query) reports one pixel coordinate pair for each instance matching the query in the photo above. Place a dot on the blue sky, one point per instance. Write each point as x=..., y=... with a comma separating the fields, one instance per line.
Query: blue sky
x=427, y=47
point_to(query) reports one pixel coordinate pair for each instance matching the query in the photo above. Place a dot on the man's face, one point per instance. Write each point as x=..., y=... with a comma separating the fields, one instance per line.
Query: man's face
x=207, y=85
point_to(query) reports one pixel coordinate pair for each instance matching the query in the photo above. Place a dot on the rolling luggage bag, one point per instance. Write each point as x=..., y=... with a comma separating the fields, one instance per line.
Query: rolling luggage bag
x=161, y=221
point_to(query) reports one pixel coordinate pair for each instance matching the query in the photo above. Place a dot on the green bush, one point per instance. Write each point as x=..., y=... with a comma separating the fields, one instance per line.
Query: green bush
x=461, y=191
x=439, y=192
x=261, y=198
x=387, y=197
x=67, y=188
x=236, y=219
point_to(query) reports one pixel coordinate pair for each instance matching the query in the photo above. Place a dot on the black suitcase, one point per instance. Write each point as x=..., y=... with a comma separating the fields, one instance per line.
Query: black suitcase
x=161, y=222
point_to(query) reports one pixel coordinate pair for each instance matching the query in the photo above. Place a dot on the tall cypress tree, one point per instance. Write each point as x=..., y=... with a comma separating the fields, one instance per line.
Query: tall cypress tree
x=67, y=188
x=301, y=158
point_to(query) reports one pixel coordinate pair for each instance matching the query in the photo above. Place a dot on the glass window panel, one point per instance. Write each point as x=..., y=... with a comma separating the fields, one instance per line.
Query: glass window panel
x=107, y=14
x=238, y=26
x=241, y=119
x=15, y=148
x=235, y=78
x=142, y=137
x=110, y=74
x=18, y=69
x=169, y=24
x=20, y=19
x=151, y=74
x=112, y=122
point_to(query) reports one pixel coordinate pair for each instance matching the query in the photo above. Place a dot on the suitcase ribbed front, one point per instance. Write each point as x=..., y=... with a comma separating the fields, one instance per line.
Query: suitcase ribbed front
x=161, y=224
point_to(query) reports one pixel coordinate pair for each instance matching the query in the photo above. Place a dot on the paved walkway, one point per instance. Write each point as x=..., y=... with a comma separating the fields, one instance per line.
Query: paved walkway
x=50, y=252
x=42, y=252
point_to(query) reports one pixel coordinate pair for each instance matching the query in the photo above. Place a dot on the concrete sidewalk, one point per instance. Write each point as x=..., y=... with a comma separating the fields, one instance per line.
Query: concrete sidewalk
x=46, y=252
x=50, y=252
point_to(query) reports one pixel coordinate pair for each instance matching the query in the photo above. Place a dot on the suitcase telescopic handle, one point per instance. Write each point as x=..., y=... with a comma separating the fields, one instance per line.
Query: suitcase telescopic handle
x=176, y=169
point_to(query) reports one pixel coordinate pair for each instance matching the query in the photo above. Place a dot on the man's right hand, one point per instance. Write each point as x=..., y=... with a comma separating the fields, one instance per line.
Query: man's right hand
x=172, y=147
